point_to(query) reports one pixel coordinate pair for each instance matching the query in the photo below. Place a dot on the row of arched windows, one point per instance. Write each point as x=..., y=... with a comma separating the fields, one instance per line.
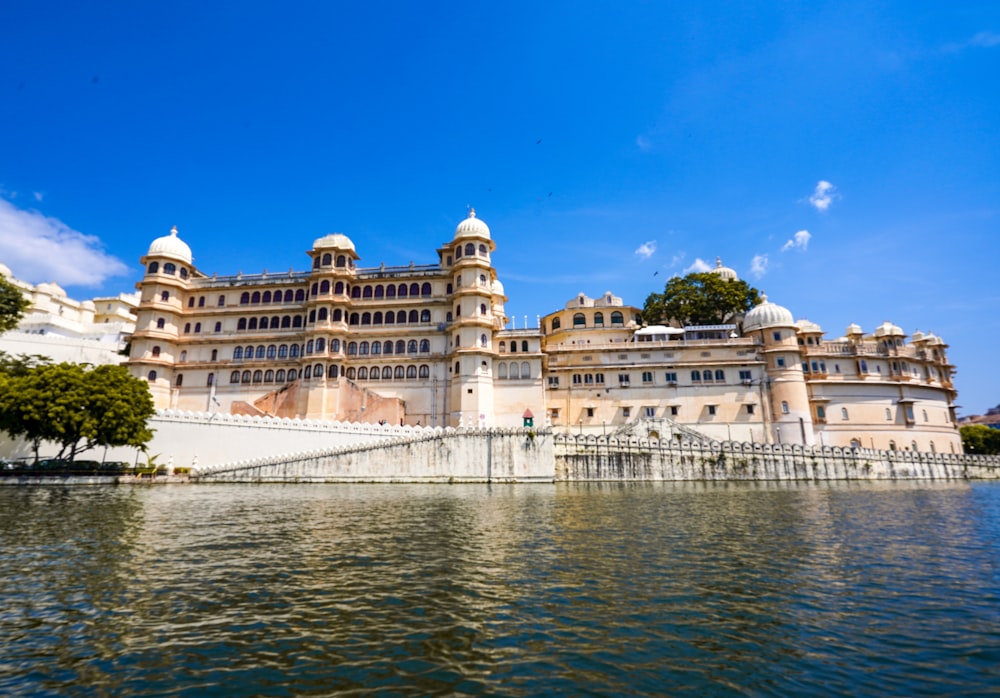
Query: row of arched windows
x=400, y=346
x=470, y=250
x=706, y=376
x=279, y=296
x=326, y=260
x=514, y=370
x=580, y=320
x=268, y=376
x=513, y=346
x=400, y=317
x=168, y=268
x=385, y=373
x=379, y=291
x=284, y=322
x=332, y=371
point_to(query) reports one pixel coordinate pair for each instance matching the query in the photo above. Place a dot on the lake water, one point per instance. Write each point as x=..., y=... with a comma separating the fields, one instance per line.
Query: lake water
x=679, y=589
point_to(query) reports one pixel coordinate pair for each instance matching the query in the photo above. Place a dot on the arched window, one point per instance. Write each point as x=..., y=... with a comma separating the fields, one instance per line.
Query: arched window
x=524, y=346
x=332, y=371
x=502, y=370
x=296, y=321
x=211, y=379
x=503, y=347
x=706, y=375
x=483, y=341
x=374, y=373
x=402, y=291
x=363, y=348
x=411, y=347
x=356, y=292
x=425, y=346
x=341, y=260
x=354, y=319
x=598, y=318
x=377, y=318
x=300, y=295
x=154, y=267
x=272, y=351
x=390, y=291
x=390, y=318
x=324, y=287
x=215, y=355
x=513, y=346
x=414, y=289
x=286, y=322
x=169, y=268
x=411, y=372
x=254, y=299
x=308, y=374
x=337, y=315
x=363, y=373
x=457, y=366
x=263, y=323
x=387, y=347
x=386, y=373
x=318, y=370
x=458, y=251
x=784, y=407
x=483, y=251
x=525, y=369
x=327, y=259
x=401, y=317
x=414, y=317
x=352, y=348
x=315, y=289
x=448, y=289
x=366, y=318
x=617, y=319
x=399, y=373
x=184, y=356
x=191, y=302
x=696, y=376
x=316, y=261
x=470, y=249
x=266, y=298
x=425, y=371
x=312, y=315
x=187, y=328
x=156, y=352
x=579, y=320
x=260, y=352
x=425, y=316
x=338, y=287
x=482, y=279
x=277, y=297
x=514, y=372
x=425, y=289
x=323, y=314
x=289, y=296
x=335, y=346
x=268, y=376
x=293, y=351
x=379, y=291
x=245, y=377
x=279, y=377
x=843, y=413
x=292, y=375
x=400, y=346
x=556, y=324
x=482, y=308
x=218, y=327
x=184, y=272
x=165, y=296
x=222, y=301
x=367, y=292
x=283, y=351
x=720, y=376
x=376, y=348
x=248, y=352
x=234, y=377
x=320, y=345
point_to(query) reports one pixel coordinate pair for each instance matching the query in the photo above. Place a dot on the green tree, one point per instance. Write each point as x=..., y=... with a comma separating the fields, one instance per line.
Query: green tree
x=700, y=299
x=13, y=304
x=980, y=439
x=76, y=407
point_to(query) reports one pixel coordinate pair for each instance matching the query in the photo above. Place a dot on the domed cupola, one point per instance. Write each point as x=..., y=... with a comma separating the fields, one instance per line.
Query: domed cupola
x=724, y=272
x=337, y=241
x=472, y=227
x=766, y=315
x=170, y=246
x=887, y=329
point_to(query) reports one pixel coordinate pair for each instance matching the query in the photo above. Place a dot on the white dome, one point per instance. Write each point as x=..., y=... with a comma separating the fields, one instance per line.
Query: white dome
x=170, y=246
x=808, y=327
x=497, y=288
x=725, y=272
x=887, y=329
x=472, y=227
x=853, y=329
x=767, y=314
x=51, y=289
x=334, y=240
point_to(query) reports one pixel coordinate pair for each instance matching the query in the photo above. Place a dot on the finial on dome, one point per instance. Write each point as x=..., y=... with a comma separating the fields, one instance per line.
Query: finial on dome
x=763, y=298
x=472, y=213
x=173, y=230
x=718, y=262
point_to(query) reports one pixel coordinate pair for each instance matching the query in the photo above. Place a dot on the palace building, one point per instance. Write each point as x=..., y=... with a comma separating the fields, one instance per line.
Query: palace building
x=430, y=345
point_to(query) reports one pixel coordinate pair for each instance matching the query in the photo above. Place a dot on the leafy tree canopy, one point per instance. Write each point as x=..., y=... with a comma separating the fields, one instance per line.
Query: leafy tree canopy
x=76, y=407
x=702, y=298
x=980, y=439
x=13, y=304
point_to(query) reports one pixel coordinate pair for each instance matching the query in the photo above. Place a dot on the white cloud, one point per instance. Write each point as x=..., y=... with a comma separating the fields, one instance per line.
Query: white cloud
x=799, y=241
x=985, y=39
x=38, y=195
x=643, y=143
x=758, y=265
x=646, y=249
x=677, y=259
x=823, y=195
x=39, y=248
x=699, y=265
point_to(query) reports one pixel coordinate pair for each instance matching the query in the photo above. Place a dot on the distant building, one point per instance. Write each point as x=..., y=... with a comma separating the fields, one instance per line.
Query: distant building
x=92, y=331
x=429, y=344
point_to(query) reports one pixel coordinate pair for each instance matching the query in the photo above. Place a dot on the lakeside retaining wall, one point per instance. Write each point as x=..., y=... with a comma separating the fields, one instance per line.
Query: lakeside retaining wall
x=590, y=458
x=446, y=455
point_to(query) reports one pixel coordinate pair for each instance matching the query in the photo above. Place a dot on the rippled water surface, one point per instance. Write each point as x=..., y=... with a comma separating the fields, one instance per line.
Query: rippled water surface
x=673, y=589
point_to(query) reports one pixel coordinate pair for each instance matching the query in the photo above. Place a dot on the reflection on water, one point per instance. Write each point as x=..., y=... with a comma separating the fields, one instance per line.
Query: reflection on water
x=729, y=588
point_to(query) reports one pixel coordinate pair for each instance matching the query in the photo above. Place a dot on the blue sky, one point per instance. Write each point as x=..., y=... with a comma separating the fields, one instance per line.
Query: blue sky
x=843, y=157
